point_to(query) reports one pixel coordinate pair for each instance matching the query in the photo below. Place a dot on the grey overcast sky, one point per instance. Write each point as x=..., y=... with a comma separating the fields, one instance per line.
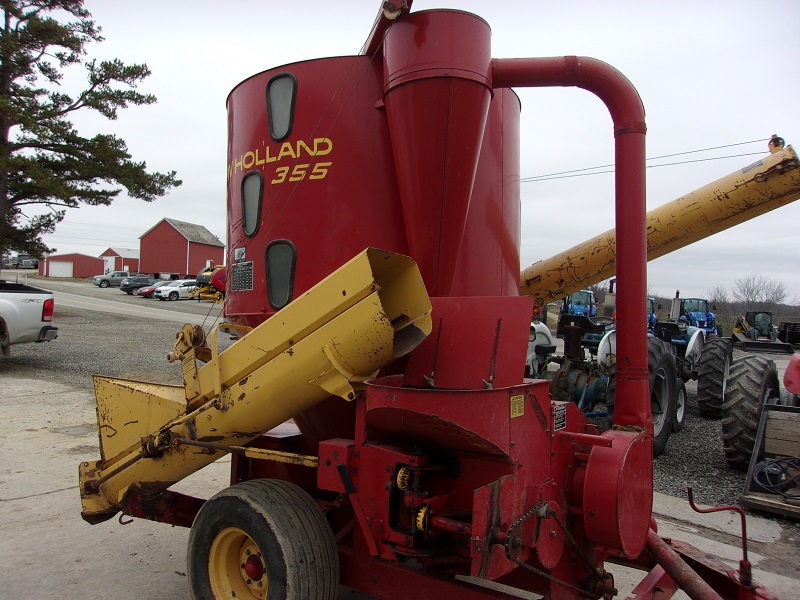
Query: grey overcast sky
x=710, y=74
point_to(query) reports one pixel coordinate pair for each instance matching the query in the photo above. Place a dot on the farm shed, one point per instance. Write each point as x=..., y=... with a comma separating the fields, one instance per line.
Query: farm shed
x=120, y=259
x=70, y=265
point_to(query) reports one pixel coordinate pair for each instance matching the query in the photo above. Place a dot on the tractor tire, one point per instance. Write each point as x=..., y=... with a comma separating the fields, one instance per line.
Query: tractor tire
x=679, y=420
x=662, y=375
x=262, y=538
x=715, y=364
x=753, y=382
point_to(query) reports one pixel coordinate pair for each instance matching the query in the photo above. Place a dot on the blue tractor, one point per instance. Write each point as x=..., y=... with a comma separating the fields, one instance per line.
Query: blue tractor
x=652, y=317
x=580, y=304
x=696, y=312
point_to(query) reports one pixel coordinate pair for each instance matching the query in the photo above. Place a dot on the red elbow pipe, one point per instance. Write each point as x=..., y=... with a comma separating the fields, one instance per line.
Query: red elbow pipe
x=632, y=406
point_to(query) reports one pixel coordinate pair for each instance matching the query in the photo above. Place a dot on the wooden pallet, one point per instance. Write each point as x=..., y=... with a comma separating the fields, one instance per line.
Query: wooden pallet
x=778, y=435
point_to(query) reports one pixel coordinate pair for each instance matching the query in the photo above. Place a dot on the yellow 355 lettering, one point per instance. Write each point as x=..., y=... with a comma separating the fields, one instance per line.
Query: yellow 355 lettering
x=261, y=157
x=299, y=172
x=320, y=170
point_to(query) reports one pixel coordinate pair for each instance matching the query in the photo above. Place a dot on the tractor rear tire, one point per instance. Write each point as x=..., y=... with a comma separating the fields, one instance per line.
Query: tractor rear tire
x=266, y=532
x=753, y=382
x=662, y=375
x=715, y=364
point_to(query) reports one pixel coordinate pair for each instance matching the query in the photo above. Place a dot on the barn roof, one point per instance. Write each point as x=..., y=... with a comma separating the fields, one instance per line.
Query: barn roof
x=70, y=254
x=193, y=233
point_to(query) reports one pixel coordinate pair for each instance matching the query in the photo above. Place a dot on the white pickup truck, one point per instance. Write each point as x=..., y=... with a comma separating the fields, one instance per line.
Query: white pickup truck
x=26, y=315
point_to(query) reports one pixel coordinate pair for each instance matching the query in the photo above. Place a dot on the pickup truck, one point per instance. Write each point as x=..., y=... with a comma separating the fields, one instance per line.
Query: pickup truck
x=113, y=279
x=26, y=315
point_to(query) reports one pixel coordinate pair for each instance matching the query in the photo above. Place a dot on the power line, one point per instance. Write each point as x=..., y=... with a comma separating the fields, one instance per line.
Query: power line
x=682, y=162
x=609, y=168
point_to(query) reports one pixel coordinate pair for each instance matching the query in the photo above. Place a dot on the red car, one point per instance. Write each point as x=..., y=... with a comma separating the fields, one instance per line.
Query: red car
x=147, y=291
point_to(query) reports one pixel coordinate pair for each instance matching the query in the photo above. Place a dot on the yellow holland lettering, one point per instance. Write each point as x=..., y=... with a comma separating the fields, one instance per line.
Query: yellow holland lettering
x=288, y=150
x=318, y=150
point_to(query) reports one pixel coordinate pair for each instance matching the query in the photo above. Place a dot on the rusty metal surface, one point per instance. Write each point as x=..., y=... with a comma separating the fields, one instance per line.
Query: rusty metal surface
x=678, y=570
x=765, y=185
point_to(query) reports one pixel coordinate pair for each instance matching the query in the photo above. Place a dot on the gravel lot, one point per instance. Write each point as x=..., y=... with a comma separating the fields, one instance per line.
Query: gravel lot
x=95, y=342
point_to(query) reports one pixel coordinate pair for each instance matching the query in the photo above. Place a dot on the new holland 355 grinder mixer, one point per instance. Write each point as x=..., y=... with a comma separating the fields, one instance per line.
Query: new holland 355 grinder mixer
x=418, y=463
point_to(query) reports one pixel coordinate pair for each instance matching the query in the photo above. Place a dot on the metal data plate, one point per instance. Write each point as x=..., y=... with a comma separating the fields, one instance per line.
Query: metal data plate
x=242, y=276
x=559, y=416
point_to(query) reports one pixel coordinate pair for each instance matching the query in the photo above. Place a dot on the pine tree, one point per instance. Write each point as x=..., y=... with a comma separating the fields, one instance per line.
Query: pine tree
x=43, y=160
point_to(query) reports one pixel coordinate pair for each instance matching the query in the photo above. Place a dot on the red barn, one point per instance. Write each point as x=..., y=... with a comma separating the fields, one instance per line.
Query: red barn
x=178, y=248
x=71, y=265
x=120, y=259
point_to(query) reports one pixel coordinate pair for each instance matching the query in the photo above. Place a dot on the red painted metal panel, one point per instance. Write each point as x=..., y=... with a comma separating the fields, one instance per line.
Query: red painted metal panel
x=489, y=262
x=618, y=493
x=476, y=342
x=437, y=99
x=329, y=187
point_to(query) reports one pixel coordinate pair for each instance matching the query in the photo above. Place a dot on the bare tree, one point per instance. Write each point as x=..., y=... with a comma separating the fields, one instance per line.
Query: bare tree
x=718, y=295
x=725, y=310
x=599, y=290
x=757, y=292
x=774, y=293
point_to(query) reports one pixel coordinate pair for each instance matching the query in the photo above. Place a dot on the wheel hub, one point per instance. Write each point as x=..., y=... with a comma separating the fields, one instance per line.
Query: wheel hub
x=254, y=568
x=236, y=567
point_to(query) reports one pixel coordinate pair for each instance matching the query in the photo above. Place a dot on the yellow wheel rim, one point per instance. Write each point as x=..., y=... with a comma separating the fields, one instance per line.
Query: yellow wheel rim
x=236, y=567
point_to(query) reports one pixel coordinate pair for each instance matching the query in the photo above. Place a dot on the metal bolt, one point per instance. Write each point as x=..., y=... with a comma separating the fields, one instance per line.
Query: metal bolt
x=553, y=534
x=247, y=552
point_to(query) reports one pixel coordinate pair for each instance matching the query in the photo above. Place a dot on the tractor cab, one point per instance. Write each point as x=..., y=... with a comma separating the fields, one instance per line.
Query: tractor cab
x=694, y=312
x=580, y=304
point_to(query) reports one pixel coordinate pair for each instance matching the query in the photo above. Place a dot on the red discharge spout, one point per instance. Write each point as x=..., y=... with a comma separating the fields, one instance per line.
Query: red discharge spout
x=623, y=102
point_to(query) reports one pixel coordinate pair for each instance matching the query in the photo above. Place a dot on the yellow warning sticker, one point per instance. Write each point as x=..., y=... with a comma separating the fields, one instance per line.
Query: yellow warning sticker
x=517, y=405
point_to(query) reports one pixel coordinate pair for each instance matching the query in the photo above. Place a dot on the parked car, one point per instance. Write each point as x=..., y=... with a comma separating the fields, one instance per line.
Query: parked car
x=175, y=290
x=129, y=284
x=112, y=279
x=147, y=291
